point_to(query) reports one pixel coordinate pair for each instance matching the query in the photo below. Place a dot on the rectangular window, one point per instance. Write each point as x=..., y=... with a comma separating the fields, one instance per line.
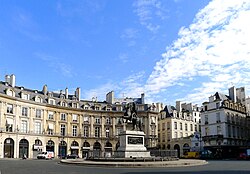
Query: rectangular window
x=191, y=127
x=74, y=118
x=50, y=129
x=118, y=131
x=63, y=130
x=86, y=119
x=51, y=116
x=218, y=117
x=63, y=116
x=195, y=128
x=217, y=105
x=163, y=126
x=107, y=132
x=9, y=125
x=97, y=120
x=176, y=135
x=38, y=113
x=229, y=130
x=180, y=126
x=23, y=126
x=86, y=131
x=219, y=130
x=97, y=132
x=37, y=127
x=74, y=131
x=9, y=108
x=168, y=125
x=50, y=132
x=206, y=131
x=206, y=119
x=108, y=120
x=175, y=125
x=186, y=127
x=24, y=111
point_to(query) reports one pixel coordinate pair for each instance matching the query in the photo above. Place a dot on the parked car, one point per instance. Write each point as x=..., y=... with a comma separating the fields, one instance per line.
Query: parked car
x=45, y=155
x=191, y=155
x=206, y=154
x=72, y=156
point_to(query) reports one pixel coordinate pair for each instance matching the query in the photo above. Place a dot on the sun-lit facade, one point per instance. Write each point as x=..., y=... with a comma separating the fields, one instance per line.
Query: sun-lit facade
x=33, y=121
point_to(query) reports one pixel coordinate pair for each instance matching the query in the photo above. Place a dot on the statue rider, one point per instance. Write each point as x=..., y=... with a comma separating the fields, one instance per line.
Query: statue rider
x=131, y=115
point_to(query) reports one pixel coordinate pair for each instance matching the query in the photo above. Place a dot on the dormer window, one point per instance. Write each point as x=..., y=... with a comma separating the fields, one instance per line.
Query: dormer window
x=25, y=96
x=97, y=108
x=74, y=105
x=38, y=99
x=51, y=101
x=64, y=104
x=10, y=92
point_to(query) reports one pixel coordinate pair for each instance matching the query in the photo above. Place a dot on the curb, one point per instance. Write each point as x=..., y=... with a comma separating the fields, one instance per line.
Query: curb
x=179, y=163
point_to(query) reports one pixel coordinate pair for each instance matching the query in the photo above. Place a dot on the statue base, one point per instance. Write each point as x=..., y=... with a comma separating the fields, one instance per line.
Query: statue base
x=132, y=145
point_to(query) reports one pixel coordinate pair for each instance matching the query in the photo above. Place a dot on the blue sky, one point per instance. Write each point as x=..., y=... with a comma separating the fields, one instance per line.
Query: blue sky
x=170, y=50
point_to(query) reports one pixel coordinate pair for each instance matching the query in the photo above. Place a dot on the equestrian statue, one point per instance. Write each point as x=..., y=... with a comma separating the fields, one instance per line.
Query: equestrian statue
x=131, y=115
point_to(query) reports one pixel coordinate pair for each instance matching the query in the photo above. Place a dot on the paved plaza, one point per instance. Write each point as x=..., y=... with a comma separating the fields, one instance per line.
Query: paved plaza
x=16, y=166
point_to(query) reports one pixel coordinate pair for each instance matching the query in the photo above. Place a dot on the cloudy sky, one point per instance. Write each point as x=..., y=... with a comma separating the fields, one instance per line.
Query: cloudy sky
x=170, y=50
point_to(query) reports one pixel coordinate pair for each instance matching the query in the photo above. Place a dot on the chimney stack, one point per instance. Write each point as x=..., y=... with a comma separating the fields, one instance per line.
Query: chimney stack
x=7, y=79
x=178, y=106
x=66, y=93
x=45, y=89
x=12, y=80
x=232, y=93
x=78, y=93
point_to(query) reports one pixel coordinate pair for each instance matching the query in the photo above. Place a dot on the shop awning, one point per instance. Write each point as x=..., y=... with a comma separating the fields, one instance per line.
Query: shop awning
x=74, y=147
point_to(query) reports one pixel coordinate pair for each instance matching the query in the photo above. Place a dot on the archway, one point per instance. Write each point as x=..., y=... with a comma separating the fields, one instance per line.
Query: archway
x=23, y=148
x=177, y=147
x=37, y=147
x=9, y=148
x=85, y=149
x=50, y=146
x=97, y=150
x=186, y=149
x=108, y=149
x=74, y=148
x=62, y=149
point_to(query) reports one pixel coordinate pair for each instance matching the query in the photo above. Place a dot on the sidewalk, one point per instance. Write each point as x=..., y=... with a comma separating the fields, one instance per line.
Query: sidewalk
x=177, y=163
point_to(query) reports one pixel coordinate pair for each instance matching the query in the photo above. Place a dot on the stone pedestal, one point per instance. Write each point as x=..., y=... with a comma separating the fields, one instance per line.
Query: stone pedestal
x=132, y=145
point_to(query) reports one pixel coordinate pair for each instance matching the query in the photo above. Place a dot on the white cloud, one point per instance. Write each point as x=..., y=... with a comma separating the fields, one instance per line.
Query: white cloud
x=216, y=45
x=57, y=65
x=148, y=11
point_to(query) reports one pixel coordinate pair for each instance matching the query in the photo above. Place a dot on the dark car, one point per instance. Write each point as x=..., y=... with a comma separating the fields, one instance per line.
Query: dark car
x=72, y=156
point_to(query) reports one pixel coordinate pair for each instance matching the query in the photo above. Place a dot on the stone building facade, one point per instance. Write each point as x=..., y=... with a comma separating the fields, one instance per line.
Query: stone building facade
x=224, y=123
x=177, y=127
x=32, y=121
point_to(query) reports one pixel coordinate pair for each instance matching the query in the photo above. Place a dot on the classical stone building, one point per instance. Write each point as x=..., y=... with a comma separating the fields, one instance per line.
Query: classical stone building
x=177, y=126
x=224, y=123
x=33, y=121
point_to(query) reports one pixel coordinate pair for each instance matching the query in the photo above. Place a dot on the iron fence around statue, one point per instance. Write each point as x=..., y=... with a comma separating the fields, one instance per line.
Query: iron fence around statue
x=95, y=154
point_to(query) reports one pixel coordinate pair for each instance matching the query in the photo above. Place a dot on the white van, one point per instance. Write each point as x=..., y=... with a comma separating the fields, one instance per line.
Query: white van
x=45, y=155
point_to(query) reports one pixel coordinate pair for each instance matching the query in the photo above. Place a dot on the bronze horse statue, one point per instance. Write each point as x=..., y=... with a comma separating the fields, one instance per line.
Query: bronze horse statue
x=131, y=115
